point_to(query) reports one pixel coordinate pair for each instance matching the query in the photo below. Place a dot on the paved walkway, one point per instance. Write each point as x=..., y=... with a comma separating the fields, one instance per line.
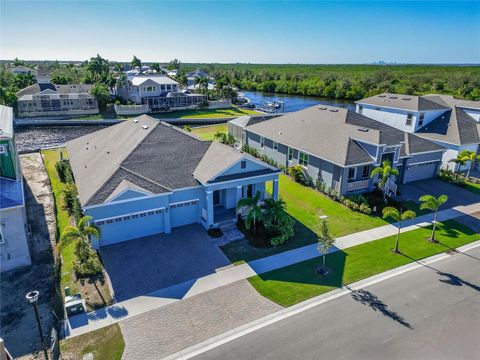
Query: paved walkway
x=85, y=323
x=166, y=330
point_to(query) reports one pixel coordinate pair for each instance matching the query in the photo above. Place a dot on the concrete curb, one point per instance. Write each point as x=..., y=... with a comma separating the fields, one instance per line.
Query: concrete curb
x=240, y=331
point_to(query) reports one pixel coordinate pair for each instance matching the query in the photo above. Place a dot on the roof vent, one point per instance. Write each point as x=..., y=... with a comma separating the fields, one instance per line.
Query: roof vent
x=334, y=110
x=406, y=99
x=382, y=96
x=145, y=127
x=322, y=108
x=393, y=97
x=135, y=121
x=363, y=129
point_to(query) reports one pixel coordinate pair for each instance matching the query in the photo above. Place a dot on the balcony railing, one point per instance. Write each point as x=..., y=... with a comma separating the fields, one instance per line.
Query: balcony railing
x=358, y=185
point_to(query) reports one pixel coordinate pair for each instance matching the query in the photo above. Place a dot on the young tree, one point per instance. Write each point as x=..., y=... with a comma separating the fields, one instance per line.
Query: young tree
x=432, y=203
x=399, y=217
x=385, y=172
x=325, y=242
x=87, y=262
x=255, y=211
x=459, y=162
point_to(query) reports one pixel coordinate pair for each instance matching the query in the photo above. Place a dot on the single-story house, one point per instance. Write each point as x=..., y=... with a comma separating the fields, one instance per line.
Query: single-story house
x=449, y=122
x=142, y=177
x=338, y=147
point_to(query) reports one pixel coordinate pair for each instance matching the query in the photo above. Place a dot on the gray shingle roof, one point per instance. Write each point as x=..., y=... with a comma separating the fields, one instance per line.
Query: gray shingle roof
x=399, y=101
x=61, y=89
x=334, y=134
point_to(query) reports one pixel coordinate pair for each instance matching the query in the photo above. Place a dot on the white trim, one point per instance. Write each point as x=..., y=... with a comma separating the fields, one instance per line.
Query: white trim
x=184, y=202
x=145, y=192
x=424, y=162
x=234, y=180
x=244, y=157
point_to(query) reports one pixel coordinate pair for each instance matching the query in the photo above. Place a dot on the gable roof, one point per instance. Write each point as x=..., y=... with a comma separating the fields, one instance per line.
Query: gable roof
x=334, y=134
x=159, y=79
x=404, y=102
x=124, y=186
x=60, y=89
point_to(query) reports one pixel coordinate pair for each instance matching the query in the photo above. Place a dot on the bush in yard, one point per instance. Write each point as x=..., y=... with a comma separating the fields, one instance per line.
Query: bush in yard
x=296, y=172
x=365, y=209
x=64, y=171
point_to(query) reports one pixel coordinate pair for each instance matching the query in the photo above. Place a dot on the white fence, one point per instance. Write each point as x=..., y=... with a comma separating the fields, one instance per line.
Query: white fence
x=358, y=185
x=131, y=109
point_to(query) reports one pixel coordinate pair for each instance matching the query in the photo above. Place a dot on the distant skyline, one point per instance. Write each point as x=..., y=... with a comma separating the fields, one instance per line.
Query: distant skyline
x=314, y=32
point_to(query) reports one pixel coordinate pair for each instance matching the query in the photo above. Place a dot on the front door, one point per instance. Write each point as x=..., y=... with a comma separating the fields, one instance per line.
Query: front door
x=250, y=191
x=216, y=198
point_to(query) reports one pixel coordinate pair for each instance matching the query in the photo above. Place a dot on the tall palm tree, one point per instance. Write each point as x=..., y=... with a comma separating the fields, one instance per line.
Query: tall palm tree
x=385, y=172
x=432, y=203
x=471, y=157
x=255, y=210
x=399, y=217
x=136, y=62
x=274, y=210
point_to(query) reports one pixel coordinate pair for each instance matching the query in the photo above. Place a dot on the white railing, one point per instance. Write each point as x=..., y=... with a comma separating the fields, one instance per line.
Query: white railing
x=358, y=185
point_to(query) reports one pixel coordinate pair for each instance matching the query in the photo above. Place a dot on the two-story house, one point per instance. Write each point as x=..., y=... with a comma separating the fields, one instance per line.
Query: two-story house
x=159, y=92
x=47, y=99
x=14, y=251
x=338, y=147
x=449, y=122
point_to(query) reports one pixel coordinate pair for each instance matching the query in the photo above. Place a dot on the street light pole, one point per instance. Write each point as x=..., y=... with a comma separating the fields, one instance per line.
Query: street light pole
x=32, y=298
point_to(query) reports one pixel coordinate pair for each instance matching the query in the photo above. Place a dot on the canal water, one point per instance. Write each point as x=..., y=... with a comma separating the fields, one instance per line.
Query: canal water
x=295, y=102
x=32, y=138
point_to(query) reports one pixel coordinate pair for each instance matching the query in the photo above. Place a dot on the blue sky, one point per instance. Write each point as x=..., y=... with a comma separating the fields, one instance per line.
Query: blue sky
x=243, y=31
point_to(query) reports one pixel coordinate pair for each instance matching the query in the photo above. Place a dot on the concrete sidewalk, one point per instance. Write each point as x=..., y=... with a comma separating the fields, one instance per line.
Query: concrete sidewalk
x=84, y=323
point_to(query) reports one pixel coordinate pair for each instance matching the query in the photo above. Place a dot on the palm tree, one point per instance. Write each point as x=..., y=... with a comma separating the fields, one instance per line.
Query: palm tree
x=274, y=210
x=88, y=262
x=325, y=242
x=470, y=156
x=385, y=172
x=432, y=203
x=255, y=210
x=459, y=162
x=156, y=67
x=136, y=62
x=399, y=217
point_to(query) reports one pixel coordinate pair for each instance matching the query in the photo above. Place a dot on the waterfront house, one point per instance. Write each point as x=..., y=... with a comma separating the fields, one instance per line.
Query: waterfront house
x=338, y=147
x=449, y=122
x=159, y=92
x=14, y=252
x=194, y=75
x=143, y=177
x=50, y=100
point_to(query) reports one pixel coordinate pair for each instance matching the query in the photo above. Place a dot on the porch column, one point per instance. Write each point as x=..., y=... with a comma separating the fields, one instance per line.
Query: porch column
x=209, y=197
x=239, y=195
x=166, y=220
x=275, y=190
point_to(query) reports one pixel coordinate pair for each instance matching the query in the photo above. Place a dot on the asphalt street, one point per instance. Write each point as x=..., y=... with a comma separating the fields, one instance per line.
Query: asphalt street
x=428, y=313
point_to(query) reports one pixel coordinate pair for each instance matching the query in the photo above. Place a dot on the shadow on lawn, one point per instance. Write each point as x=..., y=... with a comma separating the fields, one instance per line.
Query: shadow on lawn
x=373, y=302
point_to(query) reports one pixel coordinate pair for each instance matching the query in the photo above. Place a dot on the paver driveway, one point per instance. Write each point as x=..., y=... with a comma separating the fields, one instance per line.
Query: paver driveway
x=138, y=267
x=456, y=195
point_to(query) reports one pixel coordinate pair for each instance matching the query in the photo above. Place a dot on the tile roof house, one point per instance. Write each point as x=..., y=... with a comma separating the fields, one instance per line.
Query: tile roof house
x=338, y=147
x=449, y=122
x=14, y=251
x=47, y=99
x=143, y=177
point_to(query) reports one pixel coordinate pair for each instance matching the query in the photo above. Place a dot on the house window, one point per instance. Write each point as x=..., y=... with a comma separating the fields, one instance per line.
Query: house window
x=351, y=174
x=290, y=154
x=366, y=172
x=275, y=145
x=409, y=119
x=420, y=120
x=3, y=149
x=243, y=164
x=360, y=109
x=262, y=142
x=244, y=137
x=303, y=159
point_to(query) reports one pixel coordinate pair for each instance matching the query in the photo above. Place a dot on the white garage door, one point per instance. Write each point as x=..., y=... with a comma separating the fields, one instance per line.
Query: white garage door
x=131, y=226
x=184, y=213
x=421, y=171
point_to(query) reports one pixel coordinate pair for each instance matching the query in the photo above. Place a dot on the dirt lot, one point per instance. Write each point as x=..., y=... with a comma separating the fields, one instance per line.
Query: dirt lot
x=18, y=326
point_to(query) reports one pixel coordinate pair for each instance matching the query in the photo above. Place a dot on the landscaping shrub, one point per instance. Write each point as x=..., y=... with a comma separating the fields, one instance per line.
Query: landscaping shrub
x=64, y=171
x=451, y=177
x=87, y=262
x=215, y=232
x=296, y=172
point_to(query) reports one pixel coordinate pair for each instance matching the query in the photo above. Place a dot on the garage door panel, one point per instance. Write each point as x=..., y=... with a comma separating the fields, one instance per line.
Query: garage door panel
x=184, y=213
x=421, y=171
x=131, y=227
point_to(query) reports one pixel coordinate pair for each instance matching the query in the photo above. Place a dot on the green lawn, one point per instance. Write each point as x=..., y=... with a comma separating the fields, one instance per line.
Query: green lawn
x=207, y=132
x=473, y=187
x=293, y=284
x=211, y=114
x=106, y=344
x=306, y=206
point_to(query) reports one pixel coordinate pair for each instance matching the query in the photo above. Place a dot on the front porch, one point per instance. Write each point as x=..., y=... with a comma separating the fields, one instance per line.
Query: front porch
x=221, y=201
